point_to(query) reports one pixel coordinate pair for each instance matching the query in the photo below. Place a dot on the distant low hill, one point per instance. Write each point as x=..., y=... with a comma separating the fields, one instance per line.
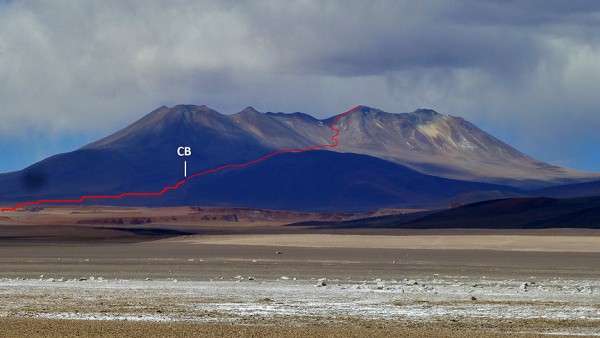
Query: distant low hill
x=515, y=213
x=569, y=190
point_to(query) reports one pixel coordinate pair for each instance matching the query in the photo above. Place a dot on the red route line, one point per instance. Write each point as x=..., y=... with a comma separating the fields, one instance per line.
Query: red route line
x=178, y=184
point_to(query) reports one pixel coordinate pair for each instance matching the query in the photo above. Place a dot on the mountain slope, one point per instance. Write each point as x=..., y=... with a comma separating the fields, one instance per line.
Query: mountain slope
x=325, y=181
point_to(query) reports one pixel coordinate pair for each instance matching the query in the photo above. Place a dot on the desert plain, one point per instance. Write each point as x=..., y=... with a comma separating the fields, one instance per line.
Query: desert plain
x=205, y=271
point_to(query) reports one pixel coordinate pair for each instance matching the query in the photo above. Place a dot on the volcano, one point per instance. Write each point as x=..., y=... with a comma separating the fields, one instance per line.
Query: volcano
x=387, y=160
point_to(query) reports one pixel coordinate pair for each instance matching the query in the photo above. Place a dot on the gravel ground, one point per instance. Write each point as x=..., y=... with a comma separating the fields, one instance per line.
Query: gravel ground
x=545, y=306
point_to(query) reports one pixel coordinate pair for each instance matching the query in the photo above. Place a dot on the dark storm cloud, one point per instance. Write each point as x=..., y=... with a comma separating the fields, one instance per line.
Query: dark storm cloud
x=365, y=38
x=527, y=13
x=524, y=70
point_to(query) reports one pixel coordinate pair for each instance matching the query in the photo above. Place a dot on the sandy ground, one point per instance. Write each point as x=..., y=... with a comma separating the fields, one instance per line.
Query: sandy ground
x=28, y=327
x=438, y=242
x=261, y=279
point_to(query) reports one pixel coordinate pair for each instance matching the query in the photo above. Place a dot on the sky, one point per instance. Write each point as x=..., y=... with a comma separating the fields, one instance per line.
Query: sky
x=528, y=72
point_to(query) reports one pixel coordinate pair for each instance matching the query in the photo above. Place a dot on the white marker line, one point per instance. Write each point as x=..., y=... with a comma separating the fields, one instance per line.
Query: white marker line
x=184, y=168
